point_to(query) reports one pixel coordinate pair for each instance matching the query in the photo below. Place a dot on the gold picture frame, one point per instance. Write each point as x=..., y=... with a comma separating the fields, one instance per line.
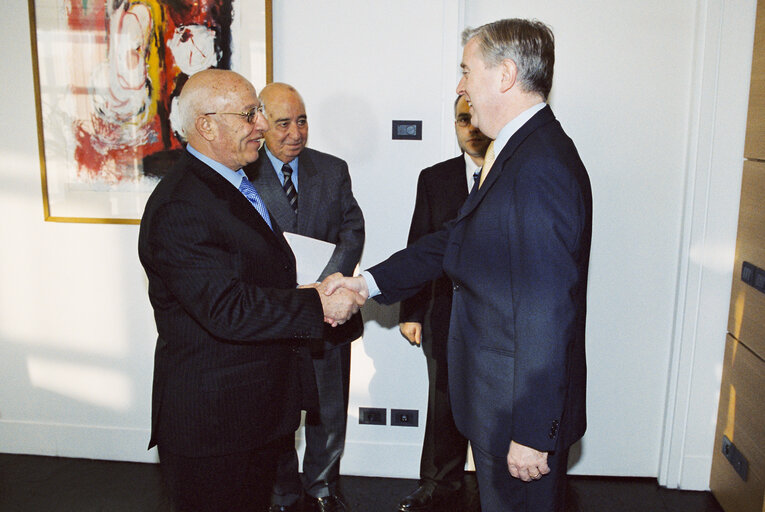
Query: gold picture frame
x=106, y=75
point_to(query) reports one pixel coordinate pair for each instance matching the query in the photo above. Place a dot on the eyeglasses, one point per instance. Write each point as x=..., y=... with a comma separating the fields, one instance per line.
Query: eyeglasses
x=463, y=121
x=249, y=116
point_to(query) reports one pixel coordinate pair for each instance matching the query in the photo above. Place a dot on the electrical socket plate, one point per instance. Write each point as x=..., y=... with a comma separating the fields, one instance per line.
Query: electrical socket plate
x=372, y=416
x=404, y=417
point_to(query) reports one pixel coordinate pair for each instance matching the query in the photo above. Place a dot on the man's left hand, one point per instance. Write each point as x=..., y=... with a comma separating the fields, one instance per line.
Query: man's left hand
x=526, y=463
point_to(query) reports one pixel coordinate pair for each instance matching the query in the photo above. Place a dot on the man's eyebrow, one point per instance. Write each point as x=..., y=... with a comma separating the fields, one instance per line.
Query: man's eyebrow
x=287, y=119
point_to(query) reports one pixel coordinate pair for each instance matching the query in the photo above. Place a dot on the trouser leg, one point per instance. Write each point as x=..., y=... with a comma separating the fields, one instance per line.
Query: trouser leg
x=500, y=492
x=287, y=487
x=325, y=431
x=444, y=448
x=239, y=482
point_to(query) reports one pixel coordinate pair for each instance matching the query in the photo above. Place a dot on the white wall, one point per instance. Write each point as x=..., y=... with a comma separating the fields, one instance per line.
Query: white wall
x=76, y=331
x=653, y=93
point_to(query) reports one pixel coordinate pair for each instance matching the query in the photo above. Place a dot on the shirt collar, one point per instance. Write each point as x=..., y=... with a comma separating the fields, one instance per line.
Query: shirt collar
x=234, y=177
x=514, y=125
x=277, y=164
x=470, y=169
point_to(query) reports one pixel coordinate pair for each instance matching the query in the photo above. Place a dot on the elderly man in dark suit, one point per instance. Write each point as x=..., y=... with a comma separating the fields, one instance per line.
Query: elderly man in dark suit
x=518, y=257
x=232, y=325
x=441, y=190
x=309, y=193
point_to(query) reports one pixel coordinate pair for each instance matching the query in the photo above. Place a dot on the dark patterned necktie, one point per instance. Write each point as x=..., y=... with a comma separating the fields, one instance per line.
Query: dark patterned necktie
x=246, y=188
x=476, y=177
x=289, y=187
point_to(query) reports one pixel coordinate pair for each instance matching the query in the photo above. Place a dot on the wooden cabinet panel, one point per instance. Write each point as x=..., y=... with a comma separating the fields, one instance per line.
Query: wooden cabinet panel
x=747, y=305
x=741, y=417
x=755, y=126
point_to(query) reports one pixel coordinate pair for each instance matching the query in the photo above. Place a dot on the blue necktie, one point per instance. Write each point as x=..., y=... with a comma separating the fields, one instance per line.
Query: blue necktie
x=476, y=177
x=252, y=195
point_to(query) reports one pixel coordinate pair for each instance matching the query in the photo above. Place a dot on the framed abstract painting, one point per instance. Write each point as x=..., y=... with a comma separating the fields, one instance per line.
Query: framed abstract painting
x=107, y=78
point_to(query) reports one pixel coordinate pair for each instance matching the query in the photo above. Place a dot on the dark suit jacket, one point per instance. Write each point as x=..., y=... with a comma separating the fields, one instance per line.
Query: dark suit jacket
x=518, y=255
x=441, y=190
x=222, y=286
x=327, y=211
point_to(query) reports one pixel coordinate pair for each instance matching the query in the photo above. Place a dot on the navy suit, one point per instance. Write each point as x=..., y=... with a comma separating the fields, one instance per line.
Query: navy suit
x=441, y=190
x=518, y=257
x=327, y=211
x=227, y=370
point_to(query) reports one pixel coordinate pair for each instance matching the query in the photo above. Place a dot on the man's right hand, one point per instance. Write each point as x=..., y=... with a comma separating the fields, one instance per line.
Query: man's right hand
x=336, y=281
x=340, y=303
x=411, y=331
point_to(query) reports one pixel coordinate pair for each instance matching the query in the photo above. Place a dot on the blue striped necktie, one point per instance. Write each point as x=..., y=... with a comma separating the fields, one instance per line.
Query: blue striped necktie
x=246, y=188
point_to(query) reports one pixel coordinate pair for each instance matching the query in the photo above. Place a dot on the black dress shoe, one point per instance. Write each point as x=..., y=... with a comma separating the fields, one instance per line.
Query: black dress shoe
x=419, y=501
x=295, y=507
x=426, y=498
x=330, y=503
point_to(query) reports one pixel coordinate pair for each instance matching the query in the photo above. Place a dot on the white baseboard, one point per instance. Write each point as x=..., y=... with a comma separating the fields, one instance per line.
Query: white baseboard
x=695, y=473
x=79, y=441
x=389, y=460
x=361, y=458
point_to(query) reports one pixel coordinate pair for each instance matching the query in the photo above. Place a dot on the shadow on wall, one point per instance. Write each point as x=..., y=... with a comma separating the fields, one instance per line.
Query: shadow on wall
x=76, y=343
x=56, y=400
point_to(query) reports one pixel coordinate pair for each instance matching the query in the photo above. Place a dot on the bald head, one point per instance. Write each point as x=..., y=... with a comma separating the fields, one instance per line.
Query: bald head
x=208, y=91
x=211, y=107
x=277, y=91
x=288, y=132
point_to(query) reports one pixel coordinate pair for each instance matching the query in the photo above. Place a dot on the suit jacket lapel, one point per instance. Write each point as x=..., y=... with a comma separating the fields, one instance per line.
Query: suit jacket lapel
x=542, y=117
x=270, y=189
x=458, y=179
x=240, y=207
x=309, y=193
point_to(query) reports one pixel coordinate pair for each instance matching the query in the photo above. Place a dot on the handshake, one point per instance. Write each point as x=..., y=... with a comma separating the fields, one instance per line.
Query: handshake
x=341, y=297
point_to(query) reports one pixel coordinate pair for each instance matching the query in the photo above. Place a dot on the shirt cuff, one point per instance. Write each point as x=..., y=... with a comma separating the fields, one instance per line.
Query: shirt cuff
x=374, y=290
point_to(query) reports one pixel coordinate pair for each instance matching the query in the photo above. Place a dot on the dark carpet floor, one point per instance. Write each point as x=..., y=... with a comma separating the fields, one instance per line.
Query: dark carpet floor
x=50, y=484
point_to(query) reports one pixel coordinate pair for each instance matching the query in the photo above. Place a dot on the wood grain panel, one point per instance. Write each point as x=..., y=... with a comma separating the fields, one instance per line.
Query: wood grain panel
x=746, y=320
x=755, y=125
x=741, y=417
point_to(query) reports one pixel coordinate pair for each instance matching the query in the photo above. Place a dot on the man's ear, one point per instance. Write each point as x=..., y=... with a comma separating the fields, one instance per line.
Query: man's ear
x=206, y=128
x=508, y=73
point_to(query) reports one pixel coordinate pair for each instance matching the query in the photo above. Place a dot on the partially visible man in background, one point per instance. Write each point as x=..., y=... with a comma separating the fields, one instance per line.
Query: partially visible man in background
x=232, y=326
x=441, y=190
x=309, y=193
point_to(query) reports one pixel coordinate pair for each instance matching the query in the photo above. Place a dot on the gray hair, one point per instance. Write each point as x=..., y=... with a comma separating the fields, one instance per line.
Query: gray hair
x=190, y=106
x=528, y=43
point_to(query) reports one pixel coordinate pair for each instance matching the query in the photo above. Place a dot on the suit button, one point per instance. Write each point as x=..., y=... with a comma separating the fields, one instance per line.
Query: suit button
x=455, y=287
